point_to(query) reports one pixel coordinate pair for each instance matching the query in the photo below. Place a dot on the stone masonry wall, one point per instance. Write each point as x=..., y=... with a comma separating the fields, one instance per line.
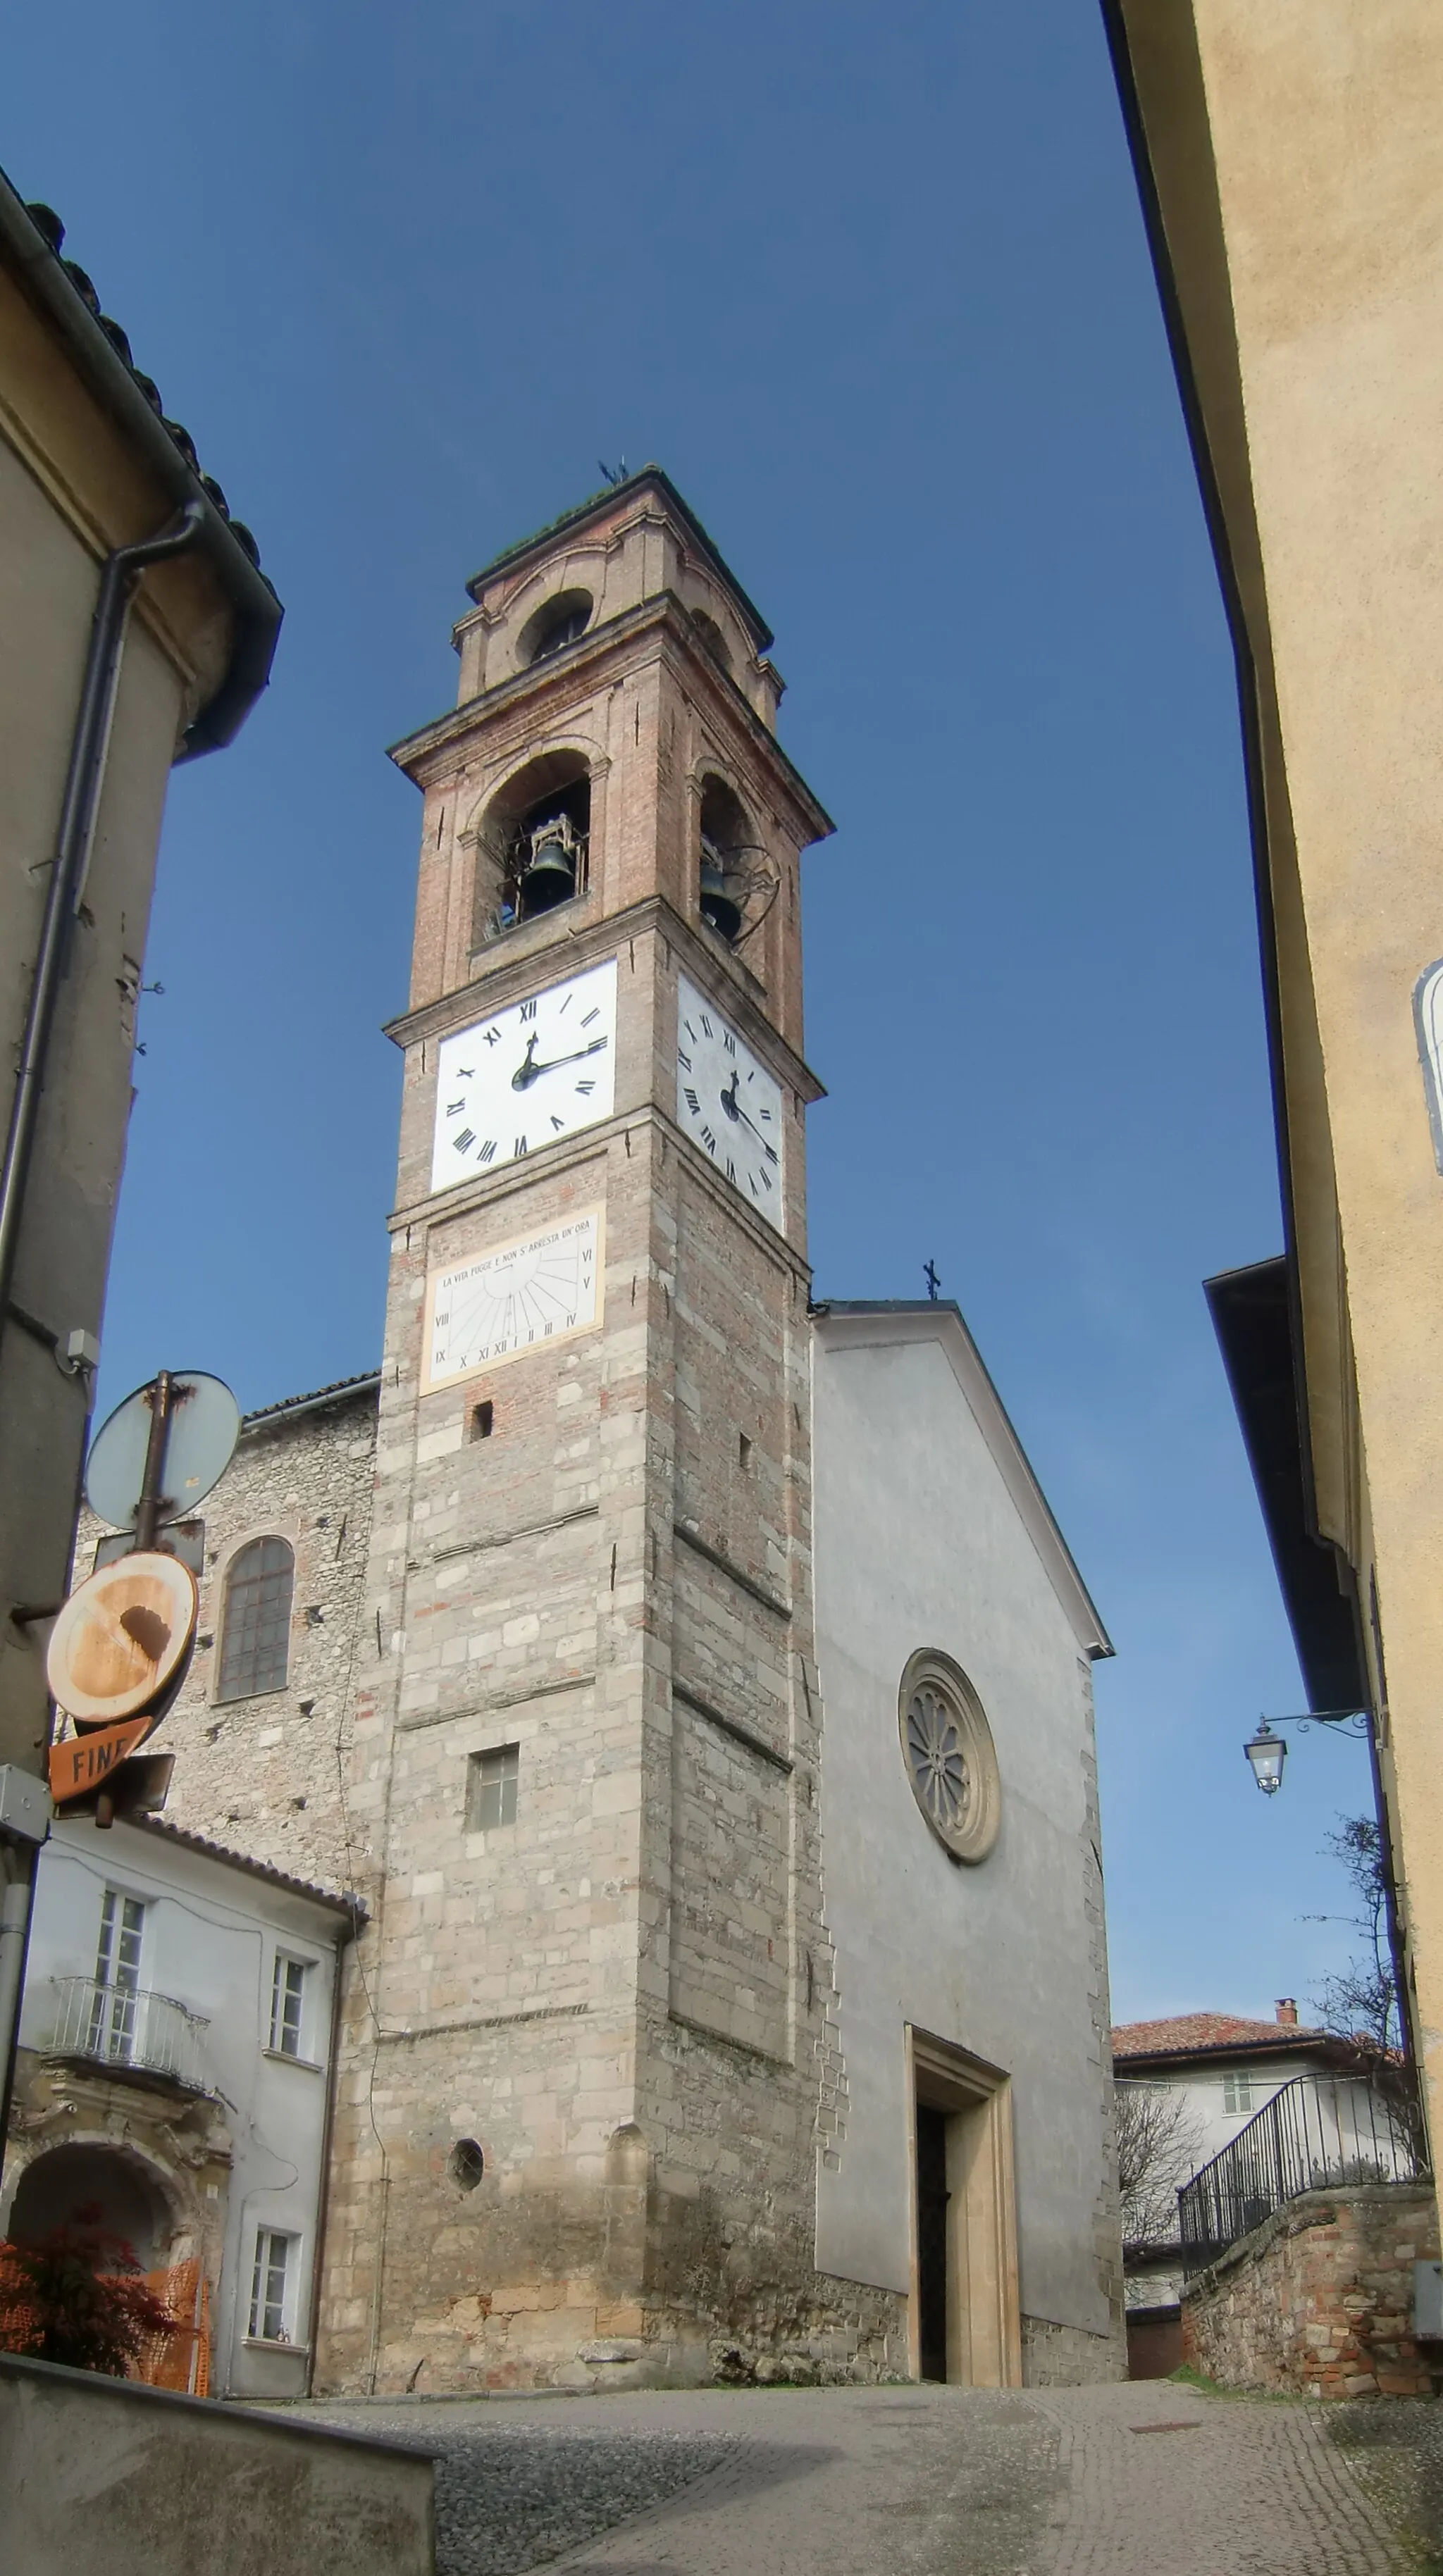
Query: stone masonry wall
x=261, y=1775
x=1317, y=2301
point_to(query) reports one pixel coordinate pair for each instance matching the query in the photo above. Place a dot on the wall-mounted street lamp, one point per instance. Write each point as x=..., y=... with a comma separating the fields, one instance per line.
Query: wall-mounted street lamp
x=1268, y=1752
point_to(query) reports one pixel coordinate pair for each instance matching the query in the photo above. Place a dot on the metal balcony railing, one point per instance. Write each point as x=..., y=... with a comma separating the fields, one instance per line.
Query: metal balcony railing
x=131, y=2027
x=1319, y=2133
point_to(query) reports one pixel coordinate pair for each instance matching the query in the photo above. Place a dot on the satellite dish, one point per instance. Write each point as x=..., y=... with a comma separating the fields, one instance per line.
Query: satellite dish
x=122, y=1638
x=203, y=1429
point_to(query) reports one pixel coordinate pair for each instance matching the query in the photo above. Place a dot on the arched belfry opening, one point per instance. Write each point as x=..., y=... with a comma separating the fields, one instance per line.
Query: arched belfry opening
x=557, y=623
x=533, y=849
x=712, y=637
x=729, y=850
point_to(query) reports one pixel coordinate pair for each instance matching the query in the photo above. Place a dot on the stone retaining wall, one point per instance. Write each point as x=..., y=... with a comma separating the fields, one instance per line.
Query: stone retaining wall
x=1317, y=2302
x=101, y=2476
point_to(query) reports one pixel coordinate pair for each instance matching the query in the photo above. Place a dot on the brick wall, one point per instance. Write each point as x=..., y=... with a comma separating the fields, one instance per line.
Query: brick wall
x=1317, y=2301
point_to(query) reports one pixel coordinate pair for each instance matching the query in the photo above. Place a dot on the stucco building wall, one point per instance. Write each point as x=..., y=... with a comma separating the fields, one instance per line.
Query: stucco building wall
x=234, y=2140
x=921, y=1543
x=85, y=467
x=1291, y=159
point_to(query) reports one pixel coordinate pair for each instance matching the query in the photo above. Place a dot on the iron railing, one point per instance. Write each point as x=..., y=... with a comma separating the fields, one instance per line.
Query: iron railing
x=1318, y=2133
x=131, y=2027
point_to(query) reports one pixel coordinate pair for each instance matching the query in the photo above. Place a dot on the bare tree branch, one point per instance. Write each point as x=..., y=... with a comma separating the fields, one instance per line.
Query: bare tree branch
x=1159, y=2145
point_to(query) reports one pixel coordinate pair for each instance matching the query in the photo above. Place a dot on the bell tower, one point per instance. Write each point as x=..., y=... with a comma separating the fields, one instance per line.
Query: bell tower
x=586, y=2044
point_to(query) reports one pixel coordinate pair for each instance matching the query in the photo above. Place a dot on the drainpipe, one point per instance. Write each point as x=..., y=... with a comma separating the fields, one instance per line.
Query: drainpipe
x=84, y=778
x=323, y=2196
x=88, y=747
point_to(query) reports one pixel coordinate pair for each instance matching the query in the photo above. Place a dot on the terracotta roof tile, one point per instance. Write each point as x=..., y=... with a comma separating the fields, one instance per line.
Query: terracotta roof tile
x=348, y=1903
x=1189, y=2034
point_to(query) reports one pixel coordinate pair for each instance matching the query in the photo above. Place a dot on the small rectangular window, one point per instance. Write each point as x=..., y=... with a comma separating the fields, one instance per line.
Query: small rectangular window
x=491, y=1788
x=271, y=2286
x=482, y=1418
x=1239, y=2093
x=288, y=2001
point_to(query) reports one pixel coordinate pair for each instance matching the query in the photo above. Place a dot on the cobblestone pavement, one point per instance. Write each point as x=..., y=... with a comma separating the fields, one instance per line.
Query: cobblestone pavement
x=1145, y=2480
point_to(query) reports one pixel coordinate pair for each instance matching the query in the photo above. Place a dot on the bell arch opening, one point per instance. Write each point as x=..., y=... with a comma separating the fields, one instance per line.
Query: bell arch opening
x=533, y=850
x=727, y=844
x=555, y=624
x=712, y=637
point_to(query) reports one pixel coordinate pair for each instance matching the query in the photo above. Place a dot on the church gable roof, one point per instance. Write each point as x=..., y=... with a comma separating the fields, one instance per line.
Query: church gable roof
x=859, y=1323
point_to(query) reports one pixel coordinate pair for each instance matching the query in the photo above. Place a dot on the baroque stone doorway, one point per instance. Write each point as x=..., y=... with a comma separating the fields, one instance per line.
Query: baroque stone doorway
x=65, y=2179
x=966, y=2321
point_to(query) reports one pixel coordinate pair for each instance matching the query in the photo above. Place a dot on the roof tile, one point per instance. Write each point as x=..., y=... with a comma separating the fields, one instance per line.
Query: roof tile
x=1189, y=2034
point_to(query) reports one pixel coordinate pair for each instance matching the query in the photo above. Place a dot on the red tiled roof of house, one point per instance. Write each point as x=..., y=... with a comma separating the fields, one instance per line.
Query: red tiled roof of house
x=1190, y=2034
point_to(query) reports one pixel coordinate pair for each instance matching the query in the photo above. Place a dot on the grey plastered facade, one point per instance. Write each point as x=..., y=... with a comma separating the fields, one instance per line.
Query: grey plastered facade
x=931, y=1531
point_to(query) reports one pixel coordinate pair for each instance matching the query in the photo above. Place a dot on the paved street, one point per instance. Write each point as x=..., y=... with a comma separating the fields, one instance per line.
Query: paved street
x=1145, y=2480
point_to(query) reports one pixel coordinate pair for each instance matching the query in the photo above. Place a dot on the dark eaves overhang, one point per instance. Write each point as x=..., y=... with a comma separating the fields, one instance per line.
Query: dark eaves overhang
x=1293, y=2043
x=30, y=245
x=605, y=501
x=1252, y=1312
x=342, y=1390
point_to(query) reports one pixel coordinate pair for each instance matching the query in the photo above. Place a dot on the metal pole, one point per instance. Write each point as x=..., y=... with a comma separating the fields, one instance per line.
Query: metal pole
x=152, y=1491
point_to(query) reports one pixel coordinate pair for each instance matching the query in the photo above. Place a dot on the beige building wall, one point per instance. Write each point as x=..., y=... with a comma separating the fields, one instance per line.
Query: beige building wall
x=1290, y=154
x=86, y=465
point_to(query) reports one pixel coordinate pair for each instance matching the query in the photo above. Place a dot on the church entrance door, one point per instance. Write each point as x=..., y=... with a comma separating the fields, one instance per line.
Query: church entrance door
x=966, y=2324
x=932, y=2262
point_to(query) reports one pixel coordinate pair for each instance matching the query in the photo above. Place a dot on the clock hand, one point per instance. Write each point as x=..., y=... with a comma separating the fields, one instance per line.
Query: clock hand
x=526, y=1071
x=734, y=1109
x=530, y=1072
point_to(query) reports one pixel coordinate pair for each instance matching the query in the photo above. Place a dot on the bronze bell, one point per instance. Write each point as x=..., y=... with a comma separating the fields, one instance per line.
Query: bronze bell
x=549, y=876
x=718, y=908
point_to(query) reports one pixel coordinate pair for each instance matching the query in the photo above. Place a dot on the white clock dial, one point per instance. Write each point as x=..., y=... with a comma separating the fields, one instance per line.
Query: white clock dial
x=728, y=1102
x=539, y=1070
x=514, y=1298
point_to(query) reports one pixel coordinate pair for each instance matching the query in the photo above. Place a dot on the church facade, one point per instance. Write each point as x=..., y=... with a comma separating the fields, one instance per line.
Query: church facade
x=692, y=1681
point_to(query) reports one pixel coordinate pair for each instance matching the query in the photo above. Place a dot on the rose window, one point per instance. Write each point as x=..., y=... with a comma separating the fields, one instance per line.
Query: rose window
x=947, y=1747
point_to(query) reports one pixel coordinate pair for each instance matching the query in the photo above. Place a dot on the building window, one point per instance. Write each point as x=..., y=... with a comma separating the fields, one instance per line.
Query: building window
x=1242, y=2093
x=288, y=2004
x=271, y=2286
x=117, y=1977
x=491, y=1788
x=255, y=1641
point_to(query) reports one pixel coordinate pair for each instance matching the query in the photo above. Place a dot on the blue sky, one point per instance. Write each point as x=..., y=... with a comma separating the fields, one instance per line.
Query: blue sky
x=872, y=285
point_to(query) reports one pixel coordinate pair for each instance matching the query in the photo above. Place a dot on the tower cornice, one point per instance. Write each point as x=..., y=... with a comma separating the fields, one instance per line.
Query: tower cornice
x=618, y=504
x=706, y=960
x=428, y=754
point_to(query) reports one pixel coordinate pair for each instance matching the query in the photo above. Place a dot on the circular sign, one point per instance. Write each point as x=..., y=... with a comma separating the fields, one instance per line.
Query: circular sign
x=121, y=1638
x=201, y=1434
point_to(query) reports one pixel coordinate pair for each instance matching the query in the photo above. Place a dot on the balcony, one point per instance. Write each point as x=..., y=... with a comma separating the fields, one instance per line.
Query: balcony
x=128, y=2030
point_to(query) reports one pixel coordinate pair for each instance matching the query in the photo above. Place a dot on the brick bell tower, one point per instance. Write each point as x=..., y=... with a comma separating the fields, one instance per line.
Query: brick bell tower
x=586, y=2040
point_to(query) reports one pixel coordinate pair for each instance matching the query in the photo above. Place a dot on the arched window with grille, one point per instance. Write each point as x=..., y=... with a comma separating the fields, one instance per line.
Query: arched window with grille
x=256, y=1629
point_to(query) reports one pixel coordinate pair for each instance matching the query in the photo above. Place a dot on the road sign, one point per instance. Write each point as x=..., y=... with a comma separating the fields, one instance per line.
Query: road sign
x=201, y=1432
x=84, y=1763
x=122, y=1639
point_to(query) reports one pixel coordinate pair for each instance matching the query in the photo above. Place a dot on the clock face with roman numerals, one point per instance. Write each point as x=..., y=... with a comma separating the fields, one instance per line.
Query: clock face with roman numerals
x=728, y=1103
x=538, y=1071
